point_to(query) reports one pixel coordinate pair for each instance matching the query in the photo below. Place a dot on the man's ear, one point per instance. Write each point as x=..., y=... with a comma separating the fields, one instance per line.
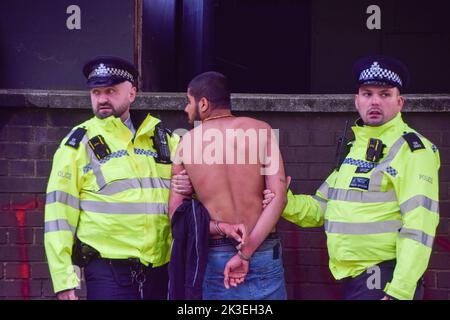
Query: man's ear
x=356, y=102
x=401, y=101
x=204, y=105
x=133, y=93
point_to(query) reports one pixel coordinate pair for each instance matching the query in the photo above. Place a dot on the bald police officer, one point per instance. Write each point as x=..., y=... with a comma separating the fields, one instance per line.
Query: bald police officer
x=108, y=193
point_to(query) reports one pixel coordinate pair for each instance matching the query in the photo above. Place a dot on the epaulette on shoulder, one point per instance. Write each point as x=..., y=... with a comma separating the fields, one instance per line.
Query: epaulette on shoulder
x=413, y=141
x=76, y=137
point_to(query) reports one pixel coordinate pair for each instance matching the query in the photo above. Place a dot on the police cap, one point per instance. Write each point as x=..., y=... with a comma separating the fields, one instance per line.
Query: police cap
x=380, y=70
x=104, y=71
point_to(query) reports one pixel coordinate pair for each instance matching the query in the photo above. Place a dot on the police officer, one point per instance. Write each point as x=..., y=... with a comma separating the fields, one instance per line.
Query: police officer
x=108, y=193
x=380, y=205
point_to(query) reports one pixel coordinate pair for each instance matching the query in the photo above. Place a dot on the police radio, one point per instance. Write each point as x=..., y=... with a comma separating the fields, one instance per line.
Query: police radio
x=374, y=150
x=342, y=149
x=161, y=145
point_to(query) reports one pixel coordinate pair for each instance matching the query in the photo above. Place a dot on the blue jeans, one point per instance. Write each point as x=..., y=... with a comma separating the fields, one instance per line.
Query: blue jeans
x=108, y=279
x=264, y=281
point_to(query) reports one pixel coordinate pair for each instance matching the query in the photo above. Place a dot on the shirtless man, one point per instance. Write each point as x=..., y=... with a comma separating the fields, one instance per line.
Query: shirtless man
x=230, y=160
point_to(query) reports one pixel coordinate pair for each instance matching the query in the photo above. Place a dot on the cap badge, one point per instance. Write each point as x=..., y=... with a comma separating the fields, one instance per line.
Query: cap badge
x=101, y=70
x=375, y=67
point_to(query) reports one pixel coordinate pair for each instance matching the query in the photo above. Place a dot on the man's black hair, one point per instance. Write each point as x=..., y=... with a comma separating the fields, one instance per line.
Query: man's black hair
x=214, y=87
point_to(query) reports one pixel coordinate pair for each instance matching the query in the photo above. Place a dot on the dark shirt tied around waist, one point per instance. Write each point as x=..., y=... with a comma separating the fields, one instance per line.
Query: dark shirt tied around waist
x=189, y=256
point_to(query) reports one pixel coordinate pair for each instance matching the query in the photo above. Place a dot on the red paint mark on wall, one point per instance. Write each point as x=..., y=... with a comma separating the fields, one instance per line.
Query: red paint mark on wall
x=443, y=243
x=24, y=269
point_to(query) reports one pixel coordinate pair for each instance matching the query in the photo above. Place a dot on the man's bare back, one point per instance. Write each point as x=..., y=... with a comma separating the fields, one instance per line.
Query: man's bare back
x=224, y=158
x=229, y=161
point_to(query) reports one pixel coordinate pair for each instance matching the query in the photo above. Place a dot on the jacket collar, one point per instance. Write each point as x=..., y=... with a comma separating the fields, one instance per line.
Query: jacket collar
x=112, y=123
x=147, y=125
x=392, y=127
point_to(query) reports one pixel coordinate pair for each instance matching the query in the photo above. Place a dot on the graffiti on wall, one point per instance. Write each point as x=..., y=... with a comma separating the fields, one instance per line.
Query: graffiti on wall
x=24, y=267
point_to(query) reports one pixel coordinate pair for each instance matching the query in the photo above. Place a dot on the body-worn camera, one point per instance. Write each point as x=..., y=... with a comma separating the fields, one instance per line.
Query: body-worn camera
x=99, y=147
x=374, y=150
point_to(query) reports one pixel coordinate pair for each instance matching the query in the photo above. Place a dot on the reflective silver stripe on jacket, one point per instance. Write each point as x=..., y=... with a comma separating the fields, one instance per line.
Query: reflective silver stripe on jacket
x=419, y=201
x=58, y=225
x=361, y=197
x=377, y=175
x=322, y=203
x=323, y=189
x=362, y=227
x=123, y=208
x=417, y=235
x=63, y=197
x=134, y=183
x=95, y=163
x=155, y=183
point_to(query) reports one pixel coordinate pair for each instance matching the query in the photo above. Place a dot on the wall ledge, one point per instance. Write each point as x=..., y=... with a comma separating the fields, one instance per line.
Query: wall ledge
x=13, y=98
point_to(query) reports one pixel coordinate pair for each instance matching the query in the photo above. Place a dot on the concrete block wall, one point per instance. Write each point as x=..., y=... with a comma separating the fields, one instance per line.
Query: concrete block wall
x=33, y=123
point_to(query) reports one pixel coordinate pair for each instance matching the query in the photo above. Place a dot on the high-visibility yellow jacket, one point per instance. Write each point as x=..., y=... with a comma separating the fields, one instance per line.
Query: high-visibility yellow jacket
x=373, y=212
x=117, y=205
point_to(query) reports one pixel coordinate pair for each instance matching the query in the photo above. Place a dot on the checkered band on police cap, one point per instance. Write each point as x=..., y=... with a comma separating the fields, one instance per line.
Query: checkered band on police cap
x=375, y=72
x=380, y=70
x=103, y=71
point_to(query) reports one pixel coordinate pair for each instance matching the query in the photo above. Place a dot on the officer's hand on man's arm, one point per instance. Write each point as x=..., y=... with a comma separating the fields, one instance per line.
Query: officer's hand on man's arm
x=182, y=184
x=67, y=295
x=269, y=195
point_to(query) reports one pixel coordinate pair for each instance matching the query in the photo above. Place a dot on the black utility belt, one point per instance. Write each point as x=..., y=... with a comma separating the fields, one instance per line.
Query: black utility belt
x=213, y=242
x=83, y=253
x=132, y=262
